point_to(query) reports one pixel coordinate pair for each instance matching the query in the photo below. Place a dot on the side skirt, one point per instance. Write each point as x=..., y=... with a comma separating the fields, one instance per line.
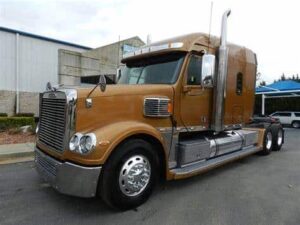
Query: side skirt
x=203, y=166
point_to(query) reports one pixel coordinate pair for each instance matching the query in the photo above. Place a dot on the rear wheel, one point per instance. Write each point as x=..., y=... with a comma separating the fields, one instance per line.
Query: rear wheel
x=129, y=176
x=296, y=124
x=278, y=136
x=268, y=142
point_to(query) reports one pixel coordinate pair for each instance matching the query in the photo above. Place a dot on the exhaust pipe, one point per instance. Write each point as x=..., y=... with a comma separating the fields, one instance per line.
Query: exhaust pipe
x=220, y=89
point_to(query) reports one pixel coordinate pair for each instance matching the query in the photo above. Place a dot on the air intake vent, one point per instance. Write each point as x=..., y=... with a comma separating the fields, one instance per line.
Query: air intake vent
x=156, y=107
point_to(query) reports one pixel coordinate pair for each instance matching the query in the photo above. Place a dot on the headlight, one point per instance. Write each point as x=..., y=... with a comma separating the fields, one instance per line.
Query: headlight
x=88, y=143
x=75, y=141
x=83, y=143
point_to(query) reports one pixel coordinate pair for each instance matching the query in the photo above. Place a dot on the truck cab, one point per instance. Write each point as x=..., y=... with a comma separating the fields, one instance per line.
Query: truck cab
x=181, y=107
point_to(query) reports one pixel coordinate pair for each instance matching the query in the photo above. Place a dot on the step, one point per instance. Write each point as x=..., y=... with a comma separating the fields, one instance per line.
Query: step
x=203, y=166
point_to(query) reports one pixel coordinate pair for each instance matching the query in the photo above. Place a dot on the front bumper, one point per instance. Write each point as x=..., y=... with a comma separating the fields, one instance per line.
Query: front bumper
x=66, y=177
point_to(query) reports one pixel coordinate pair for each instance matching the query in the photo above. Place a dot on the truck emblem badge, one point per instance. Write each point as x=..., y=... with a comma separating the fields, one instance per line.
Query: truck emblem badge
x=52, y=95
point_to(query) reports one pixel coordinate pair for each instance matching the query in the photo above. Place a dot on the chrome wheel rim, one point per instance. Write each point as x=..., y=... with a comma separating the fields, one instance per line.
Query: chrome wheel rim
x=279, y=137
x=134, y=175
x=296, y=124
x=269, y=140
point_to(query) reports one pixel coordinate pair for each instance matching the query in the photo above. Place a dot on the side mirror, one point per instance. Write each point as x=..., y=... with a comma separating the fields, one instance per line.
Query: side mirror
x=208, y=70
x=119, y=74
x=102, y=83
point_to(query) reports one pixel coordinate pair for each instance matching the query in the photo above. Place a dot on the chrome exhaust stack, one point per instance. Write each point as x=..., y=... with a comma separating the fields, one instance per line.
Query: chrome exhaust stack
x=220, y=88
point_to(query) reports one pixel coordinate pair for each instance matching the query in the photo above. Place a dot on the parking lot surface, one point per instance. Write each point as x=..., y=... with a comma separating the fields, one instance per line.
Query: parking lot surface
x=254, y=190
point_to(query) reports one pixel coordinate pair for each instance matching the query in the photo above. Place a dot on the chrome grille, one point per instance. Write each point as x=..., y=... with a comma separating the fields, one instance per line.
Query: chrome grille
x=45, y=164
x=156, y=107
x=53, y=120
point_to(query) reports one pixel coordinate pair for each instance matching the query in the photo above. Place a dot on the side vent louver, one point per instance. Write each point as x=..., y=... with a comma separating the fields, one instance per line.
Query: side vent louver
x=156, y=107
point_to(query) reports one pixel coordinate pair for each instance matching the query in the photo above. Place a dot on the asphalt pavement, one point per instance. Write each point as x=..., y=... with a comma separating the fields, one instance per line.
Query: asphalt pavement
x=255, y=190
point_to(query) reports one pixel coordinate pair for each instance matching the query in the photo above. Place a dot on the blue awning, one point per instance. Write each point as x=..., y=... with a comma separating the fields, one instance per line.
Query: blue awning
x=287, y=85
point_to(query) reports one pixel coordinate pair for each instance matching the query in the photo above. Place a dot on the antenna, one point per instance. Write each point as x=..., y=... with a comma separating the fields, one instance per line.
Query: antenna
x=210, y=20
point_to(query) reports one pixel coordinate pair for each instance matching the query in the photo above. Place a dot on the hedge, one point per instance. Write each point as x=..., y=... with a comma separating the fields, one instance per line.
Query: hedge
x=3, y=114
x=12, y=122
x=24, y=115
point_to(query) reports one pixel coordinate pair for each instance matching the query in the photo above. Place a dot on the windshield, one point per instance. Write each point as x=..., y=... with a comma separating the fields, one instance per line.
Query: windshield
x=155, y=70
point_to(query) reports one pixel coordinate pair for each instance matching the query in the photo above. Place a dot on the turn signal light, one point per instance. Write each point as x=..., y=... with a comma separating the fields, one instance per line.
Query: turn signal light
x=170, y=108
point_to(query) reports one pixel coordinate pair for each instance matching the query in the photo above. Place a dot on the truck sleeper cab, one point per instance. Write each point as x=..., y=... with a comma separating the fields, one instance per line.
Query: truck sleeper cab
x=176, y=112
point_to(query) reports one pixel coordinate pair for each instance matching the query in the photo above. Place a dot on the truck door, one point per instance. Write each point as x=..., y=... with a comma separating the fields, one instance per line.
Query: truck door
x=195, y=107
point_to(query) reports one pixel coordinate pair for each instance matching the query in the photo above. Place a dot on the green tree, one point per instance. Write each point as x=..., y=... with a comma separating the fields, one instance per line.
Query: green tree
x=282, y=77
x=262, y=83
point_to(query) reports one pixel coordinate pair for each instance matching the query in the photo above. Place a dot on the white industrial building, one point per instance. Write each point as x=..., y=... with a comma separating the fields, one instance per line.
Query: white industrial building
x=28, y=62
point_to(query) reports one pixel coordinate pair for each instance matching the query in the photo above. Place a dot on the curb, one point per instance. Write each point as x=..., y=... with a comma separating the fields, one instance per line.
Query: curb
x=16, y=153
x=16, y=160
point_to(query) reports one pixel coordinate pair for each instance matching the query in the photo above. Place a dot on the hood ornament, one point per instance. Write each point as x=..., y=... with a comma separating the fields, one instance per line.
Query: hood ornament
x=49, y=87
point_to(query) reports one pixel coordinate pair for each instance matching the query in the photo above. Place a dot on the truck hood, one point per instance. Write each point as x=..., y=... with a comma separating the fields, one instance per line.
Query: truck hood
x=116, y=103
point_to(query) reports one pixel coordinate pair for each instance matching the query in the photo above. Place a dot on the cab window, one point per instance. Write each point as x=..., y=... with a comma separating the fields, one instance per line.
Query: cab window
x=194, y=70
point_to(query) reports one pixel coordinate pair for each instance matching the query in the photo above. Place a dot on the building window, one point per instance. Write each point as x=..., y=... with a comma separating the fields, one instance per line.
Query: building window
x=128, y=48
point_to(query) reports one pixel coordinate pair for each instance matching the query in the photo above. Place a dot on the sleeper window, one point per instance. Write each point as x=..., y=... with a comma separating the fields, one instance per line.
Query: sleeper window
x=239, y=84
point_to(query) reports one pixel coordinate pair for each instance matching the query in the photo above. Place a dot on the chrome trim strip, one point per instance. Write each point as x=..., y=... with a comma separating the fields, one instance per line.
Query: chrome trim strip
x=71, y=95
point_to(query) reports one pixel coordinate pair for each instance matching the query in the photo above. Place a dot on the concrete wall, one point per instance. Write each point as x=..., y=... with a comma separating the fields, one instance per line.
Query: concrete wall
x=73, y=65
x=7, y=102
x=110, y=56
x=29, y=102
x=100, y=61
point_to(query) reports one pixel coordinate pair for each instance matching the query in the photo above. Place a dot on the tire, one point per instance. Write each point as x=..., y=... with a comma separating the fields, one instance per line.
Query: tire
x=268, y=142
x=278, y=136
x=131, y=157
x=296, y=124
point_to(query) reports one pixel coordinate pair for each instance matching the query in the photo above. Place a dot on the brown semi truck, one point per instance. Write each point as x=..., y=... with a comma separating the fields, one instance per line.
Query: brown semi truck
x=181, y=107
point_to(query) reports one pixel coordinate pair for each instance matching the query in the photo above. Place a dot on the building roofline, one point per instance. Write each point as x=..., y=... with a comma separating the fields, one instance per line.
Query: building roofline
x=122, y=41
x=43, y=38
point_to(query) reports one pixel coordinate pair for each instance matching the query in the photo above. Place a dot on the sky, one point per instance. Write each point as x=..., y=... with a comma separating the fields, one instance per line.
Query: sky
x=269, y=28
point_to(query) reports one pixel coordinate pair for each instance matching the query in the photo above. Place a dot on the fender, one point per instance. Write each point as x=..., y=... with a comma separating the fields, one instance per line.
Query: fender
x=110, y=136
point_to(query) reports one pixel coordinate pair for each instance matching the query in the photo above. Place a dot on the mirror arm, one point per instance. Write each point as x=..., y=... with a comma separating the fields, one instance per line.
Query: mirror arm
x=92, y=90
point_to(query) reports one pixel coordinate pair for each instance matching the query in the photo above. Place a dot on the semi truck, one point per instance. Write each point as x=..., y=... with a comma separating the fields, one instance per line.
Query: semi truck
x=181, y=107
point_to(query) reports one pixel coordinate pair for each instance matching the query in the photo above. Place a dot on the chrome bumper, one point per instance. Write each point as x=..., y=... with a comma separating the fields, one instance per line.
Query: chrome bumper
x=66, y=177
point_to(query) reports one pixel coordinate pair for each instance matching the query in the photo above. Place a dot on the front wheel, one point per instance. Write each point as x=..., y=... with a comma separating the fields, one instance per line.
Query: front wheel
x=129, y=175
